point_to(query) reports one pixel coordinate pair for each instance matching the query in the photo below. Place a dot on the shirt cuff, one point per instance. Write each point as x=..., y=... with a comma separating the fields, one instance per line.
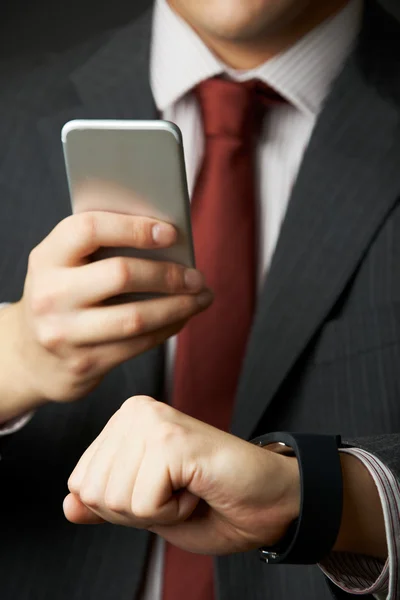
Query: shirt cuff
x=15, y=425
x=361, y=575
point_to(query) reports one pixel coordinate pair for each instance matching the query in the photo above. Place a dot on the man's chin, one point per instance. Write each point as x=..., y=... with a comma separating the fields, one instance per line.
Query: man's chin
x=238, y=21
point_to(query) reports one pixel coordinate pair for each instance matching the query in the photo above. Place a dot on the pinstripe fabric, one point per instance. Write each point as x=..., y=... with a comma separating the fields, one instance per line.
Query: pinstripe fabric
x=325, y=348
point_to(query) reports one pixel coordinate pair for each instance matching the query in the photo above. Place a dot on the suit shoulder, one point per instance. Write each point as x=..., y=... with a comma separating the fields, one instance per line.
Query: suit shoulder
x=33, y=86
x=29, y=92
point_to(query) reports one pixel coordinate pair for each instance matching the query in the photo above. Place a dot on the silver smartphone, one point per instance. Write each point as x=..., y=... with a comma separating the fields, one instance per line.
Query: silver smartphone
x=130, y=167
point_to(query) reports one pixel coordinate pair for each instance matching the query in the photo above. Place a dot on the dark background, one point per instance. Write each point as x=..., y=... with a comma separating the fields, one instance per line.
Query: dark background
x=30, y=28
x=41, y=26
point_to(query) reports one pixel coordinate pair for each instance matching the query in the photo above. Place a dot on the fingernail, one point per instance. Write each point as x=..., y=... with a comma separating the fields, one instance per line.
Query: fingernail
x=194, y=280
x=205, y=299
x=164, y=234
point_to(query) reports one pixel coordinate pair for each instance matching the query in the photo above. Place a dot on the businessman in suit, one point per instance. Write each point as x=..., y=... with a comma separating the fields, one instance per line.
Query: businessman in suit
x=290, y=117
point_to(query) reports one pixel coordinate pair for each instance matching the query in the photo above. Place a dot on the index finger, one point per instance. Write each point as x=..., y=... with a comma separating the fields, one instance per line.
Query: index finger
x=80, y=235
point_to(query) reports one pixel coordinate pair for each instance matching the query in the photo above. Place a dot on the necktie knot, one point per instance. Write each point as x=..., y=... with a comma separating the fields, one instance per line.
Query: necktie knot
x=234, y=109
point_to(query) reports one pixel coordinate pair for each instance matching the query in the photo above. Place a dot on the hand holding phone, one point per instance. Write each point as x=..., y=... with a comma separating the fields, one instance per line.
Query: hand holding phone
x=68, y=338
x=67, y=333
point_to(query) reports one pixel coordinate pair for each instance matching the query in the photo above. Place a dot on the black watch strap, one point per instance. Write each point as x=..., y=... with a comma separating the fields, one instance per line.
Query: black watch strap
x=312, y=536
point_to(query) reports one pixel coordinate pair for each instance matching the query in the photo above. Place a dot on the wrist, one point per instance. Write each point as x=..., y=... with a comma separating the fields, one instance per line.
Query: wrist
x=314, y=532
x=288, y=500
x=291, y=498
x=17, y=393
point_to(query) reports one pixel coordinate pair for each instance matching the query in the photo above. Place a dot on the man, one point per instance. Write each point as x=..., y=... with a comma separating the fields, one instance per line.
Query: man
x=321, y=339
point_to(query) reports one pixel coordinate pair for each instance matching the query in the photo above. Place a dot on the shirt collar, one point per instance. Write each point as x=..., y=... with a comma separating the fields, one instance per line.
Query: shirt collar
x=303, y=74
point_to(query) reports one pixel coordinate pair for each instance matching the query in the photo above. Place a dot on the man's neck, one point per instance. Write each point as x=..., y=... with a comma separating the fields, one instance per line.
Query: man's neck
x=249, y=54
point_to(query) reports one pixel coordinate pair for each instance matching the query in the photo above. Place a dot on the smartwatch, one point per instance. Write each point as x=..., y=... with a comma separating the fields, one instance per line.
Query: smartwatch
x=311, y=537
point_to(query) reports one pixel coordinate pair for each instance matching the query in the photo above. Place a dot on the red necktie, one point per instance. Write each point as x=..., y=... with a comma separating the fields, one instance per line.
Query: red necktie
x=211, y=347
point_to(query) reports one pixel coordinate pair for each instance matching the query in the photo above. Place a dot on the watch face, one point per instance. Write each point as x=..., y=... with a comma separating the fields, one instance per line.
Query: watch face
x=279, y=448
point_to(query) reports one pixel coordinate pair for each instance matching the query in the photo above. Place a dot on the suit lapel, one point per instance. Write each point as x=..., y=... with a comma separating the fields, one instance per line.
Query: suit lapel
x=112, y=83
x=347, y=185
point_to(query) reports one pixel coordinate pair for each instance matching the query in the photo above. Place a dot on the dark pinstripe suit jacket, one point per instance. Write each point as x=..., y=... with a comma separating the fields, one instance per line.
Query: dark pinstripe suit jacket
x=325, y=350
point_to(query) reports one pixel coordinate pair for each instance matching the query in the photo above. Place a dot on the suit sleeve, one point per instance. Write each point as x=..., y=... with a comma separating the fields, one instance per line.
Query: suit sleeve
x=360, y=575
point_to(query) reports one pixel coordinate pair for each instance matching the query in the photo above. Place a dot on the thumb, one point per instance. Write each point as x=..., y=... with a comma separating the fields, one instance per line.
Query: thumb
x=78, y=513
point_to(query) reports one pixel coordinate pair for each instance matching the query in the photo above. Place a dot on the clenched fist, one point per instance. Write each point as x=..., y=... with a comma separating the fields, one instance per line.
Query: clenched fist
x=201, y=489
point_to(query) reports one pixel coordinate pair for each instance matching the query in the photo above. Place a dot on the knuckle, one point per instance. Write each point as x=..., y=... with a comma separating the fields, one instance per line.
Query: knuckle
x=135, y=402
x=80, y=365
x=141, y=511
x=89, y=497
x=173, y=278
x=34, y=257
x=142, y=233
x=68, y=227
x=170, y=433
x=114, y=502
x=50, y=336
x=121, y=274
x=160, y=409
x=73, y=485
x=131, y=324
x=42, y=302
x=66, y=224
x=150, y=410
x=86, y=227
